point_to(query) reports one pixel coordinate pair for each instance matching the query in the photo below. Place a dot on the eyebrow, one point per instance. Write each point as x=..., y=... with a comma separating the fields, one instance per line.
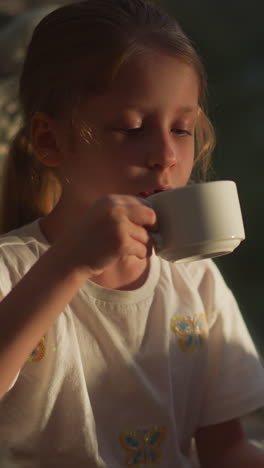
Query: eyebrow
x=182, y=109
x=188, y=109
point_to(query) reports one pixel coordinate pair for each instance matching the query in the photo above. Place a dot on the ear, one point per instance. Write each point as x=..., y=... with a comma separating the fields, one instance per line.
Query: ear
x=46, y=140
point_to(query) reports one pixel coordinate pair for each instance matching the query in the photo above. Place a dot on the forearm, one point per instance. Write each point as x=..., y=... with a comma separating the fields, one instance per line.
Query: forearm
x=28, y=311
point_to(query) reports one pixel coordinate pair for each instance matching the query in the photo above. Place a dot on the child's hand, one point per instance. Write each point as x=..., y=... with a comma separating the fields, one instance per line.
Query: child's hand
x=112, y=228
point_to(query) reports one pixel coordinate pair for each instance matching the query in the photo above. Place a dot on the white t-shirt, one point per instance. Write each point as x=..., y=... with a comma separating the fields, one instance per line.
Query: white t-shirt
x=124, y=378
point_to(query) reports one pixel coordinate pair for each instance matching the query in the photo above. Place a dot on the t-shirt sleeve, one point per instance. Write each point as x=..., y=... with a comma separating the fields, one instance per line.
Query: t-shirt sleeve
x=7, y=281
x=235, y=376
x=5, y=277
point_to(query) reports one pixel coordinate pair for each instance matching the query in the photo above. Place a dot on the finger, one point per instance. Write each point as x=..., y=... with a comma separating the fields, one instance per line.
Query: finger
x=141, y=236
x=139, y=250
x=142, y=215
x=139, y=233
x=151, y=227
x=134, y=208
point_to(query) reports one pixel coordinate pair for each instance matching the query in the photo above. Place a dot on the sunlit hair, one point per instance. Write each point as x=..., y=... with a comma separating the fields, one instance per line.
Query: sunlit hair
x=76, y=51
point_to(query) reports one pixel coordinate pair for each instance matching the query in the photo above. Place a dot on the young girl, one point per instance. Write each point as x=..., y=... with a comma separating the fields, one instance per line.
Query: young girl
x=132, y=356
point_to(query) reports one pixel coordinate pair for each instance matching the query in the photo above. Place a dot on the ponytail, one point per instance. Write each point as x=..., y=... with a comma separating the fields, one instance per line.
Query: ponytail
x=29, y=189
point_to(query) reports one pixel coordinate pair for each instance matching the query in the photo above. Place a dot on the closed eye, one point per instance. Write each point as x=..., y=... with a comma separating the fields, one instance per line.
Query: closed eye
x=137, y=130
x=181, y=131
x=132, y=130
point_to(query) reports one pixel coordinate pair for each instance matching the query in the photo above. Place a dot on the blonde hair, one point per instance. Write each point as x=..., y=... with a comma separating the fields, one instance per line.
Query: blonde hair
x=77, y=50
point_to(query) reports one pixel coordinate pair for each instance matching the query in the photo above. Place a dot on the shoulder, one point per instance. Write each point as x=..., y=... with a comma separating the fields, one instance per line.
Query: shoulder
x=201, y=275
x=19, y=250
x=27, y=239
x=199, y=283
x=207, y=278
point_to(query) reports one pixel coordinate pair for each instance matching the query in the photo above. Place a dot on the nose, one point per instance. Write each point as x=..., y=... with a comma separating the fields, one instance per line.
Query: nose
x=161, y=151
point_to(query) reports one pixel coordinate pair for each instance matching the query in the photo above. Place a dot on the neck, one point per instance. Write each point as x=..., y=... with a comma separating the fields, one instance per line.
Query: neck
x=125, y=275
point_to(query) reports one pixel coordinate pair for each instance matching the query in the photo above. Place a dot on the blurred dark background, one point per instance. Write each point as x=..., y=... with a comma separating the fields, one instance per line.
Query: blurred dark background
x=230, y=37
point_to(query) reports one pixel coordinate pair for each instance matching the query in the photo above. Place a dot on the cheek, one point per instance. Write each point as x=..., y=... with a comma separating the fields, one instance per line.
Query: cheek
x=191, y=155
x=187, y=152
x=187, y=161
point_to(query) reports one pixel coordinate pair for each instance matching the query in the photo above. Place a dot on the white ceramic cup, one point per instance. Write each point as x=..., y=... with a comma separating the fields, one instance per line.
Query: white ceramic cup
x=197, y=221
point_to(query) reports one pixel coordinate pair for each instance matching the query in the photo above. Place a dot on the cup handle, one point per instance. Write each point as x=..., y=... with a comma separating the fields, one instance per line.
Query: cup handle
x=157, y=240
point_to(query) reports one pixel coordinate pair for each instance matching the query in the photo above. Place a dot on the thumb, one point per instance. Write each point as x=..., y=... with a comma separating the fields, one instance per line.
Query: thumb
x=154, y=227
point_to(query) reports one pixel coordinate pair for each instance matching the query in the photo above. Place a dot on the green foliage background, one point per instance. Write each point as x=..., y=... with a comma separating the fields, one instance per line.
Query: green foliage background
x=230, y=38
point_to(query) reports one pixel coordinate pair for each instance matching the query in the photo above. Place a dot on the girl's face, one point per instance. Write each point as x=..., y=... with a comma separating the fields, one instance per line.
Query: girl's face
x=138, y=135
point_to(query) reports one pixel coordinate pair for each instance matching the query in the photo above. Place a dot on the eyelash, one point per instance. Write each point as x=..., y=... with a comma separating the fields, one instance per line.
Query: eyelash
x=178, y=131
x=132, y=130
x=182, y=132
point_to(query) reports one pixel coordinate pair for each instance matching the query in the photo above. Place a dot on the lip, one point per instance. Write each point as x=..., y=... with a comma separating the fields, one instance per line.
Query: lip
x=159, y=188
x=162, y=188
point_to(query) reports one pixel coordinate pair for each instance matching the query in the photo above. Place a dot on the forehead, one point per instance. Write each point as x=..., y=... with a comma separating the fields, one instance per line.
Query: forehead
x=153, y=74
x=148, y=82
